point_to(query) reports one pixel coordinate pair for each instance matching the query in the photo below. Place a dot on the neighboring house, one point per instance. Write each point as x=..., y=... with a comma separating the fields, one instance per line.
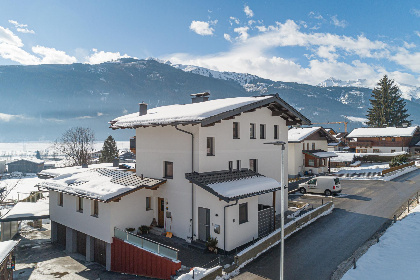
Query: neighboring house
x=133, y=144
x=218, y=168
x=32, y=165
x=308, y=150
x=7, y=259
x=2, y=166
x=95, y=155
x=384, y=139
x=342, y=160
x=127, y=156
x=330, y=131
x=337, y=146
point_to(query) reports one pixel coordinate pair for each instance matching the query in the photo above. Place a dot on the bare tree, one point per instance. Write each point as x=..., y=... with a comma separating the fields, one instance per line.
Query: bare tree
x=77, y=144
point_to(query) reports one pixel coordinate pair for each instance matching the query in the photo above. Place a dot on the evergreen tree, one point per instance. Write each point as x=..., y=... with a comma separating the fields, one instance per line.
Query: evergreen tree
x=109, y=150
x=387, y=106
x=38, y=155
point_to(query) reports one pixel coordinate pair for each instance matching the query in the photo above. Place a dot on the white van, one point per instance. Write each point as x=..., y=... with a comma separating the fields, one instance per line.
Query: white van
x=322, y=184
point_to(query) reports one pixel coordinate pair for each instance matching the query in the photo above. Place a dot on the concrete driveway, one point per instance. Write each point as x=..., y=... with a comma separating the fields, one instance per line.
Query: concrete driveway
x=317, y=250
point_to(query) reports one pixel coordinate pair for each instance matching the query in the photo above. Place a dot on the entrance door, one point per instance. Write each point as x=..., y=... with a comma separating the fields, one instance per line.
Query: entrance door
x=203, y=223
x=161, y=212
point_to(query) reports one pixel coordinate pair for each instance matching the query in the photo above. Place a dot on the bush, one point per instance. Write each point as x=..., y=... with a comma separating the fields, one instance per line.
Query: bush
x=211, y=244
x=398, y=160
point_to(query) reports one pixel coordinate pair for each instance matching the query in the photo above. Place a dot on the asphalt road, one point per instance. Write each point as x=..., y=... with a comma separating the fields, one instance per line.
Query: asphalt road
x=315, y=251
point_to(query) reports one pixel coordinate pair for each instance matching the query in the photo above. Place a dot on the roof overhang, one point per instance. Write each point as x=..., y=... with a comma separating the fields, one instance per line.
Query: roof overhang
x=320, y=154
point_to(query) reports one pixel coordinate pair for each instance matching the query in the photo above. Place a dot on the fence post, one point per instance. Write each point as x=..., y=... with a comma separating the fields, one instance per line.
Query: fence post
x=158, y=249
x=395, y=218
x=408, y=205
x=354, y=263
x=417, y=197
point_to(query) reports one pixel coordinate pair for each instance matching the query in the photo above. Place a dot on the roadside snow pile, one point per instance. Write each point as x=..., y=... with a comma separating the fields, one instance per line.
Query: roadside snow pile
x=197, y=273
x=395, y=256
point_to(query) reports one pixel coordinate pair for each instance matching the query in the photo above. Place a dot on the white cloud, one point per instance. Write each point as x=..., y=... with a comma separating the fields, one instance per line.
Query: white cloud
x=15, y=53
x=202, y=28
x=8, y=37
x=407, y=59
x=227, y=37
x=21, y=27
x=243, y=32
x=99, y=114
x=337, y=22
x=417, y=33
x=53, y=56
x=100, y=57
x=233, y=20
x=8, y=117
x=248, y=11
x=415, y=12
x=315, y=15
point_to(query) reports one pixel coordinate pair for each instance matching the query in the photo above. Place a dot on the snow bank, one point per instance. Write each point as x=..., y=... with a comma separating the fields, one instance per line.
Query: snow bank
x=395, y=256
x=198, y=273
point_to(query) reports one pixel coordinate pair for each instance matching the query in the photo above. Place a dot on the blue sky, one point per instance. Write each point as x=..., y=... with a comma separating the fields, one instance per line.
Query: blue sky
x=298, y=41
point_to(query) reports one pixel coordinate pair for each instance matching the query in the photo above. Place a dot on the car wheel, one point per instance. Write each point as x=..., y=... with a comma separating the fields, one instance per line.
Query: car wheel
x=327, y=192
x=302, y=190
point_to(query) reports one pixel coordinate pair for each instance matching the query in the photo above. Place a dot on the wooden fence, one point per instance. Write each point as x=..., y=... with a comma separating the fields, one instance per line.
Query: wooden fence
x=397, y=167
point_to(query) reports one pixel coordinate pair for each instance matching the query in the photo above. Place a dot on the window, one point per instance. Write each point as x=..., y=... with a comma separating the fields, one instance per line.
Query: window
x=393, y=139
x=311, y=162
x=376, y=150
x=383, y=139
x=235, y=130
x=312, y=182
x=79, y=204
x=313, y=146
x=262, y=131
x=60, y=199
x=303, y=146
x=243, y=213
x=392, y=151
x=363, y=150
x=230, y=165
x=148, y=203
x=307, y=146
x=169, y=170
x=252, y=131
x=253, y=165
x=276, y=131
x=238, y=165
x=210, y=146
x=95, y=208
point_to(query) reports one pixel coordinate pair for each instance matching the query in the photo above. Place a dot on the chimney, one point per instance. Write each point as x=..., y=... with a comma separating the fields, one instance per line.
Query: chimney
x=200, y=97
x=142, y=109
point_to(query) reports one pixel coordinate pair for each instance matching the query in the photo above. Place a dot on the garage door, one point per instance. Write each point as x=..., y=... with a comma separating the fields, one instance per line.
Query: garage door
x=100, y=251
x=61, y=234
x=81, y=243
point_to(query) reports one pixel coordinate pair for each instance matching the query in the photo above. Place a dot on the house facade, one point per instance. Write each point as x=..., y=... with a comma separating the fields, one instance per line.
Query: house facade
x=217, y=138
x=384, y=139
x=26, y=166
x=308, y=150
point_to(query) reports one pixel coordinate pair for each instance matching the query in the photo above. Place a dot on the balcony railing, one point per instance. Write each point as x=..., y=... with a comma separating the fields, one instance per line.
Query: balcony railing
x=146, y=244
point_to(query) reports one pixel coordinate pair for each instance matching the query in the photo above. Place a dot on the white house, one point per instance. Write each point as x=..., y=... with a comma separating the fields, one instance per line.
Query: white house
x=384, y=139
x=220, y=140
x=308, y=150
x=203, y=170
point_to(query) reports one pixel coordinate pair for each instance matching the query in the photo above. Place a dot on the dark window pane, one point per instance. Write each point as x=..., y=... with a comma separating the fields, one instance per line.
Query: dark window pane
x=243, y=213
x=169, y=169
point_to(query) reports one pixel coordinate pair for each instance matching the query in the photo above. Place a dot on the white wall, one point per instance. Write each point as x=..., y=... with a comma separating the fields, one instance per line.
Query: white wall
x=2, y=166
x=130, y=211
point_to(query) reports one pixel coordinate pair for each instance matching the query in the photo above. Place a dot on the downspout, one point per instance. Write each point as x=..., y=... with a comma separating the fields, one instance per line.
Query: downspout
x=224, y=224
x=192, y=184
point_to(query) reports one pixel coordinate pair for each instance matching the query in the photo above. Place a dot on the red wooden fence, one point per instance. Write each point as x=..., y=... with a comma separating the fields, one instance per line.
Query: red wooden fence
x=127, y=258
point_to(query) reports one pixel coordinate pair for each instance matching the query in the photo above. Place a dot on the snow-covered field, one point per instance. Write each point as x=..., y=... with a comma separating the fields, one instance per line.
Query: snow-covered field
x=396, y=256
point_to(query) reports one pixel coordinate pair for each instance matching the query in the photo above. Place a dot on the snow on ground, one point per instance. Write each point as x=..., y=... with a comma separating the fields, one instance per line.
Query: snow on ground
x=21, y=187
x=197, y=273
x=364, y=168
x=396, y=255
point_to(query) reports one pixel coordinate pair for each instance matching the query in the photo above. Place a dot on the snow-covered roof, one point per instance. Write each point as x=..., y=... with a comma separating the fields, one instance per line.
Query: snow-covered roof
x=343, y=157
x=34, y=160
x=206, y=112
x=103, y=184
x=6, y=247
x=28, y=211
x=232, y=185
x=383, y=132
x=418, y=144
x=324, y=154
x=298, y=134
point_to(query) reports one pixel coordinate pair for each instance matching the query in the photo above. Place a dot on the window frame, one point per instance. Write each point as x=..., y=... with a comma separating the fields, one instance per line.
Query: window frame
x=166, y=164
x=311, y=161
x=235, y=127
x=243, y=220
x=276, y=131
x=254, y=164
x=95, y=208
x=313, y=146
x=148, y=203
x=211, y=148
x=60, y=201
x=252, y=132
x=238, y=165
x=79, y=204
x=262, y=131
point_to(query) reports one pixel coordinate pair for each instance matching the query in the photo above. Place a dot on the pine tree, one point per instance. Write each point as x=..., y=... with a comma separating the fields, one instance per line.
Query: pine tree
x=387, y=106
x=109, y=150
x=38, y=155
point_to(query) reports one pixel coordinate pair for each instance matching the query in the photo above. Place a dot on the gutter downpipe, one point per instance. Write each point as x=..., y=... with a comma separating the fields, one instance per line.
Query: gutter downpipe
x=224, y=224
x=192, y=184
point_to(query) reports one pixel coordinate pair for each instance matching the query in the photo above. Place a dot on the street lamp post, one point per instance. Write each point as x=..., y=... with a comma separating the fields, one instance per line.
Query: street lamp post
x=281, y=143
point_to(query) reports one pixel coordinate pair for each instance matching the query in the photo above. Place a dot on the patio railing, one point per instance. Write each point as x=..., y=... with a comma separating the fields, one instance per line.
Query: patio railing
x=146, y=244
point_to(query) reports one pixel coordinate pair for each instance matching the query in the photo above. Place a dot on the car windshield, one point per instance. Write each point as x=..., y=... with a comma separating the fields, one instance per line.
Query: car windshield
x=337, y=181
x=313, y=181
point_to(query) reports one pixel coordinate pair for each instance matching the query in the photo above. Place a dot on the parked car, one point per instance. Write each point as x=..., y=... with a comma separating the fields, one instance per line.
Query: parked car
x=322, y=184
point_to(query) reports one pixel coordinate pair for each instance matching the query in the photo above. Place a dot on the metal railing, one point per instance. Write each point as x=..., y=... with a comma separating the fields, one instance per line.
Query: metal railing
x=146, y=244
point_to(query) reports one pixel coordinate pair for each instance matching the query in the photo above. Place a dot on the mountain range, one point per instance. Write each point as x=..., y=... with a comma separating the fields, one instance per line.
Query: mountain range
x=40, y=102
